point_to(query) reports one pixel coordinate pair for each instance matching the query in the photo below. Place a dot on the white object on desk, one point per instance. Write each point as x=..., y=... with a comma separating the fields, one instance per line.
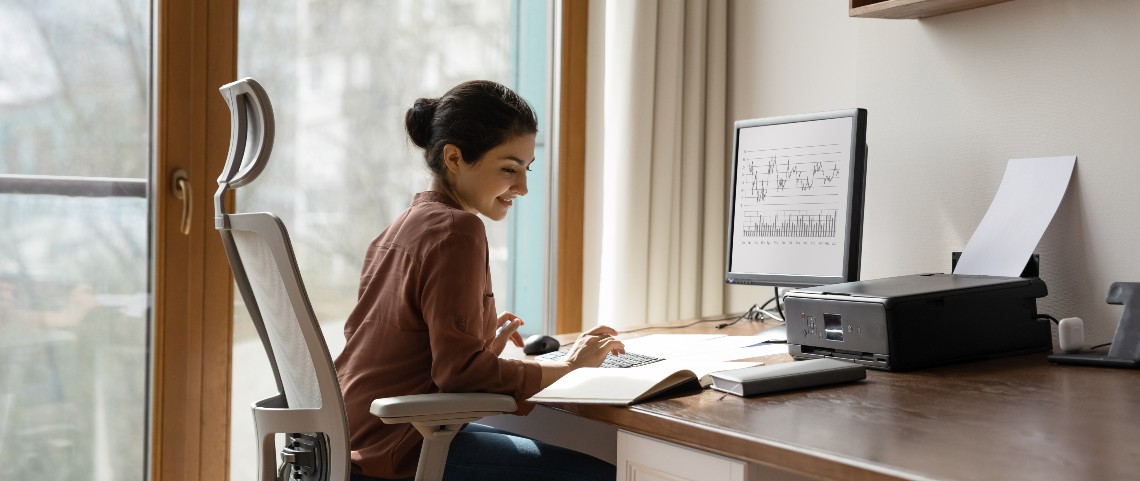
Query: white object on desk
x=669, y=345
x=1071, y=334
x=1026, y=200
x=701, y=347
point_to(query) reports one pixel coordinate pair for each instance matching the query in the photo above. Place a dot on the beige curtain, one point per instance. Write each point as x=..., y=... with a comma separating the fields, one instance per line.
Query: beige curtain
x=662, y=165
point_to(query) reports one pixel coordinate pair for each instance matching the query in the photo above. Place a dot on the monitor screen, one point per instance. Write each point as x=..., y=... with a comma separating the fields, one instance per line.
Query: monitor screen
x=796, y=207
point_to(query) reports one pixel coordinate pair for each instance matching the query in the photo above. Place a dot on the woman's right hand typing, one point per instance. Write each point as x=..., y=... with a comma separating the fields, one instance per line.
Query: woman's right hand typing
x=589, y=350
x=592, y=346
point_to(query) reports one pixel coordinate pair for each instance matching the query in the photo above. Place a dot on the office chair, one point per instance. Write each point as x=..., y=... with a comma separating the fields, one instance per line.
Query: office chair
x=308, y=408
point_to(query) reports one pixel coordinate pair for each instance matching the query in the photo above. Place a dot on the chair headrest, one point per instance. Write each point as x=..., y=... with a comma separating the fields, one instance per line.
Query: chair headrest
x=251, y=135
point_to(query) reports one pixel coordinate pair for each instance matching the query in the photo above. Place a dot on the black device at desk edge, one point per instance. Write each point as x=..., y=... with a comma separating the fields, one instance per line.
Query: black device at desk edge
x=1125, y=349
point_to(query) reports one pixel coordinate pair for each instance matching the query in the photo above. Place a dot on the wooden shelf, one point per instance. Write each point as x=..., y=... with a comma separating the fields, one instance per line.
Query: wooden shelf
x=912, y=8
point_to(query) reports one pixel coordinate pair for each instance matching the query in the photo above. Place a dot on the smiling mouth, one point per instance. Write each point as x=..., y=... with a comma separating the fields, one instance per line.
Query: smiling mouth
x=506, y=200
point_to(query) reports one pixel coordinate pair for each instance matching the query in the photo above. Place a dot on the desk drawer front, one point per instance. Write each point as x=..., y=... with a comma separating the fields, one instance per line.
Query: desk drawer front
x=640, y=458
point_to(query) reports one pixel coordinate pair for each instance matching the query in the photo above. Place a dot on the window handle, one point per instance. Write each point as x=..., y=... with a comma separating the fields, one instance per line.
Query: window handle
x=180, y=187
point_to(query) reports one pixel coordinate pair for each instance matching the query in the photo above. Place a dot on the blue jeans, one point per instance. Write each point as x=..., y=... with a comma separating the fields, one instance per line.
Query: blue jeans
x=484, y=453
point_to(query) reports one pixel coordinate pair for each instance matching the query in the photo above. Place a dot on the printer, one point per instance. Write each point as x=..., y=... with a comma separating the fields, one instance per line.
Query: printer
x=916, y=321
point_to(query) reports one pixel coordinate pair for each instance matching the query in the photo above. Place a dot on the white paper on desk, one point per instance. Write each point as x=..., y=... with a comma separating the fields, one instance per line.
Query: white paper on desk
x=675, y=346
x=698, y=348
x=1026, y=200
x=735, y=353
x=766, y=349
x=666, y=345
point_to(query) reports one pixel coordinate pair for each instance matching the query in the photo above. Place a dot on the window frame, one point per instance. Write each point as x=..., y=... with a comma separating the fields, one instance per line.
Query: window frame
x=570, y=148
x=194, y=53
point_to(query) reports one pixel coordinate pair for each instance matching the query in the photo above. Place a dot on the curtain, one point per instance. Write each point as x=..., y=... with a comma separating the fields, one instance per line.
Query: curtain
x=662, y=165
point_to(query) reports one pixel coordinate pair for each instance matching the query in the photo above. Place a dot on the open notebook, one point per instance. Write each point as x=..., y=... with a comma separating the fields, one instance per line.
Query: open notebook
x=631, y=385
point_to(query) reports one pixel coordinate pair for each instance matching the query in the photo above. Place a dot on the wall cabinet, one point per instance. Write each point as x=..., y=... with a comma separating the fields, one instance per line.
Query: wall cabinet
x=912, y=8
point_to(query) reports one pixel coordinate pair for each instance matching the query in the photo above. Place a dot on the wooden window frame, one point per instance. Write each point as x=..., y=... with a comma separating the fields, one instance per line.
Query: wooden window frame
x=195, y=53
x=571, y=165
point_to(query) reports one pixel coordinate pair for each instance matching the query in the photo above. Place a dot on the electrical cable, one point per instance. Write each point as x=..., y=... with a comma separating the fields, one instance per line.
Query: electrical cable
x=771, y=315
x=759, y=310
x=768, y=313
x=778, y=308
x=769, y=301
x=755, y=309
x=746, y=314
x=684, y=326
x=1098, y=346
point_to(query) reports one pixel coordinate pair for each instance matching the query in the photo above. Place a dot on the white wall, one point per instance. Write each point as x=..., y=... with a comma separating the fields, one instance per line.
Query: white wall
x=950, y=100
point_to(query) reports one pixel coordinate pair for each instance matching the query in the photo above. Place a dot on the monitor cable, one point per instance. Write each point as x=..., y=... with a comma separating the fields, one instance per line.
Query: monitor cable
x=758, y=312
x=778, y=308
x=755, y=313
x=749, y=314
x=699, y=321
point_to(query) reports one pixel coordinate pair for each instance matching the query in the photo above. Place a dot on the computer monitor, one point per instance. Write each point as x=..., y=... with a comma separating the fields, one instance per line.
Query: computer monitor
x=796, y=209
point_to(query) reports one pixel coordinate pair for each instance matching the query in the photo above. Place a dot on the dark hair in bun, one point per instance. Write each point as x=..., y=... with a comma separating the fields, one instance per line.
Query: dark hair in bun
x=418, y=121
x=474, y=116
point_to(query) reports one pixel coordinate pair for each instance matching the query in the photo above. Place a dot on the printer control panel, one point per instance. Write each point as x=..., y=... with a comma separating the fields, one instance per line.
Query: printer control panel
x=853, y=330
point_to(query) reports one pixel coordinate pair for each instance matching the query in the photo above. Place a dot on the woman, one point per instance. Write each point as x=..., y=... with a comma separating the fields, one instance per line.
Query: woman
x=425, y=320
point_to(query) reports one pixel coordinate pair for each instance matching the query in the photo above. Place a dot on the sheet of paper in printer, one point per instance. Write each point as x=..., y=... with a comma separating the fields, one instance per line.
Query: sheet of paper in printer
x=1026, y=200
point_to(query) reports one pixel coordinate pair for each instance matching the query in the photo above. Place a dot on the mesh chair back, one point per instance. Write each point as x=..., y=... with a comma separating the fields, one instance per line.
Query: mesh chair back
x=288, y=332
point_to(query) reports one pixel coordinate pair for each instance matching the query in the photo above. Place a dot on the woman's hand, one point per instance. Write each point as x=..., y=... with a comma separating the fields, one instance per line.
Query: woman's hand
x=591, y=348
x=508, y=330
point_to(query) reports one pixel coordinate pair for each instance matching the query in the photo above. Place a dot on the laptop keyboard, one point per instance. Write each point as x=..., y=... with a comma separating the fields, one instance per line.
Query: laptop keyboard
x=629, y=359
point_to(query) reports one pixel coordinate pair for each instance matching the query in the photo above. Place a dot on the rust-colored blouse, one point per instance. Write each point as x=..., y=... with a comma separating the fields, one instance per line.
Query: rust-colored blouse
x=423, y=323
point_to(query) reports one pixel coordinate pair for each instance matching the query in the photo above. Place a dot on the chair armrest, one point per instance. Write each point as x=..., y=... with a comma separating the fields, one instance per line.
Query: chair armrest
x=441, y=408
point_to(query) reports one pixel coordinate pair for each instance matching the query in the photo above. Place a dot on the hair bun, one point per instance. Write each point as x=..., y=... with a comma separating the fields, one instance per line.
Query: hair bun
x=418, y=121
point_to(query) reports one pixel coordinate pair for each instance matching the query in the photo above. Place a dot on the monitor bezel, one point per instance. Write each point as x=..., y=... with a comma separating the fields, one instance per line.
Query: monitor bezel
x=856, y=183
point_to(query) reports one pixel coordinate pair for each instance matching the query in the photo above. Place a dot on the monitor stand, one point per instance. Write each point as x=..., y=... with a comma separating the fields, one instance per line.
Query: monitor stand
x=1125, y=349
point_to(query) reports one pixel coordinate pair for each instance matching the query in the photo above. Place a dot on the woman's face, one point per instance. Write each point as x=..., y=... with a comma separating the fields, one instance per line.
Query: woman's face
x=490, y=185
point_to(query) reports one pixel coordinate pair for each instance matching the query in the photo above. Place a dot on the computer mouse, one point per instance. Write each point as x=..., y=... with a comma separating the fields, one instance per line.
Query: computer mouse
x=540, y=344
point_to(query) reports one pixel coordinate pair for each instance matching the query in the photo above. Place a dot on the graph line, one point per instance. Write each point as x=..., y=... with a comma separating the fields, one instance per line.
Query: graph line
x=790, y=173
x=791, y=223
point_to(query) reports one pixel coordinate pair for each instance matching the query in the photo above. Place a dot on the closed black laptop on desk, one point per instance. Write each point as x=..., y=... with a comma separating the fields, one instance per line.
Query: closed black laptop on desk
x=916, y=321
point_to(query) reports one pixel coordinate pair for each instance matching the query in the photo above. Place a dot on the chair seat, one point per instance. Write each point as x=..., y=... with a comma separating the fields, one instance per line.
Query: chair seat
x=441, y=407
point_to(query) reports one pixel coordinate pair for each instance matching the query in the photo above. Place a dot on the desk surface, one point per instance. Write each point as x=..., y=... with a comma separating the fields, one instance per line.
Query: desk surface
x=1012, y=418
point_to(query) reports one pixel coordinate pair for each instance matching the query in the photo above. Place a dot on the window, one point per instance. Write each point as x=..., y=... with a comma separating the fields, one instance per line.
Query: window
x=341, y=74
x=74, y=239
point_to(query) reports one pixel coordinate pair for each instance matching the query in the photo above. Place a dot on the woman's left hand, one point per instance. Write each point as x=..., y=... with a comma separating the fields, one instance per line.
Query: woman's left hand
x=508, y=329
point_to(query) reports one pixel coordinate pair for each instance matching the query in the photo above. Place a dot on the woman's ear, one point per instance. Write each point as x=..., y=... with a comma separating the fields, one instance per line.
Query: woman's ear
x=452, y=157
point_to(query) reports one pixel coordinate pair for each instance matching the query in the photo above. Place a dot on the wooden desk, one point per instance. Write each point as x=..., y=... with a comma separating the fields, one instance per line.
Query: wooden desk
x=1004, y=419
